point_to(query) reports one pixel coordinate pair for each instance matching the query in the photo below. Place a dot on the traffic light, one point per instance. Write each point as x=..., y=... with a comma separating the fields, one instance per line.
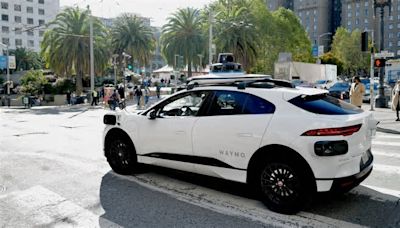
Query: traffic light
x=379, y=62
x=364, y=41
x=130, y=67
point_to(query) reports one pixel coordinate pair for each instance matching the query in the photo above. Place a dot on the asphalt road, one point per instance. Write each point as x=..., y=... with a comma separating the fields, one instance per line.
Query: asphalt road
x=53, y=173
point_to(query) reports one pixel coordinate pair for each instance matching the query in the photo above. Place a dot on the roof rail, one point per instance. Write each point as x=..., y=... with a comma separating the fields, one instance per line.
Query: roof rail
x=242, y=83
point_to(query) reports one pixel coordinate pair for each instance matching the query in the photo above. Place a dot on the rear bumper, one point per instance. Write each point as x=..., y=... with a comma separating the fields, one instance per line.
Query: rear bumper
x=345, y=184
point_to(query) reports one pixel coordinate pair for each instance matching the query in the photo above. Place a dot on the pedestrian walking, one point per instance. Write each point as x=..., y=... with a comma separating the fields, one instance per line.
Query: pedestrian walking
x=94, y=97
x=114, y=100
x=138, y=95
x=121, y=92
x=68, y=97
x=146, y=95
x=396, y=99
x=158, y=90
x=357, y=91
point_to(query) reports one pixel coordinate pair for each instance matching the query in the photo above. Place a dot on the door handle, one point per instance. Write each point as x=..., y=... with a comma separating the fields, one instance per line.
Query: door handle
x=245, y=135
x=180, y=132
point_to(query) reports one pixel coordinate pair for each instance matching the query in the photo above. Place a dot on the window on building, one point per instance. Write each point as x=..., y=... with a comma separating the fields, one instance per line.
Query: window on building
x=41, y=1
x=4, y=5
x=17, y=8
x=391, y=35
x=349, y=14
x=390, y=44
x=357, y=13
x=366, y=3
x=5, y=41
x=398, y=7
x=398, y=35
x=41, y=33
x=349, y=6
x=29, y=9
x=349, y=23
x=30, y=33
x=357, y=21
x=29, y=21
x=4, y=17
x=31, y=43
x=366, y=20
x=398, y=43
x=366, y=12
x=41, y=22
x=5, y=29
x=18, y=42
x=391, y=18
x=390, y=26
x=357, y=5
x=17, y=19
x=41, y=11
x=29, y=0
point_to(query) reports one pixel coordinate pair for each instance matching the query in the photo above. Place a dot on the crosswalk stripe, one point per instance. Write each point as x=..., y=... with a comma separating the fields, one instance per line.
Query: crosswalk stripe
x=382, y=143
x=381, y=153
x=42, y=207
x=387, y=136
x=387, y=169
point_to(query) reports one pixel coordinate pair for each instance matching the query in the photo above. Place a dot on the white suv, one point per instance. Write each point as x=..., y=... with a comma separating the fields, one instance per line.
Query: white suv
x=288, y=143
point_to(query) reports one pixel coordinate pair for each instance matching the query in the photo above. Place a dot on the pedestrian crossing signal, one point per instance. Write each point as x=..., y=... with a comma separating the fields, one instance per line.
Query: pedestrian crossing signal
x=379, y=62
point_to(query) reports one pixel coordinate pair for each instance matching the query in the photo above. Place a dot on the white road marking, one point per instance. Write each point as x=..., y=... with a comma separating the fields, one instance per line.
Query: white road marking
x=386, y=191
x=387, y=136
x=386, y=154
x=231, y=205
x=39, y=206
x=382, y=143
x=390, y=169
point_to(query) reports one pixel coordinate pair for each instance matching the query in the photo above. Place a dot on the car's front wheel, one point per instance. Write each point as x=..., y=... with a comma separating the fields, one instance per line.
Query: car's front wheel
x=121, y=156
x=284, y=187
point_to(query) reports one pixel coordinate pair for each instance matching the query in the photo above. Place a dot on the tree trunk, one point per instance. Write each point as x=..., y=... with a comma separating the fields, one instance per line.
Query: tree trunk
x=189, y=67
x=78, y=80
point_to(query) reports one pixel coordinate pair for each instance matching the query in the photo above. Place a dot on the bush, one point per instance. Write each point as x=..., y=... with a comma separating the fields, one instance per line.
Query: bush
x=33, y=82
x=63, y=85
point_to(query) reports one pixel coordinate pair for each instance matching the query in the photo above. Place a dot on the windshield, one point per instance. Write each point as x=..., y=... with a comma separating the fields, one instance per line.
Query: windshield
x=321, y=82
x=340, y=85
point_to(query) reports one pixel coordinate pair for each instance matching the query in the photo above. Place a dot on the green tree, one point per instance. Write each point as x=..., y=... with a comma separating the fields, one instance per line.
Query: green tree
x=346, y=47
x=27, y=59
x=130, y=34
x=33, y=82
x=65, y=46
x=183, y=35
x=236, y=30
x=281, y=31
x=330, y=58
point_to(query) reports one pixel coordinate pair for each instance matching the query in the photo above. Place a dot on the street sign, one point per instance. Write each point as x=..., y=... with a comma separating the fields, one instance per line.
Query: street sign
x=12, y=63
x=384, y=54
x=3, y=62
x=315, y=51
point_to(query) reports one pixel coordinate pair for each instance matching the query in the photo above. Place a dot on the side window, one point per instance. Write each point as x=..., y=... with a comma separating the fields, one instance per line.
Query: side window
x=257, y=105
x=188, y=104
x=237, y=103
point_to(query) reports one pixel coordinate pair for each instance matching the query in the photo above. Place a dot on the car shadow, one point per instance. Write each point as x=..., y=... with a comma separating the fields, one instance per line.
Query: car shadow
x=362, y=205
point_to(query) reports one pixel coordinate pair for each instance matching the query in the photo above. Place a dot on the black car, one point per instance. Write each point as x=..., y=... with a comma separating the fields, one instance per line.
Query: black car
x=340, y=90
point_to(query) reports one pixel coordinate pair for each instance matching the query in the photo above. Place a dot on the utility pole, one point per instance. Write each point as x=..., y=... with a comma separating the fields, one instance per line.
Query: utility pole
x=115, y=69
x=91, y=53
x=210, y=55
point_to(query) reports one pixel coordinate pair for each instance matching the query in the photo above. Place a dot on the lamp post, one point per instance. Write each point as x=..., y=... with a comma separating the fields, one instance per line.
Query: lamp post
x=8, y=69
x=91, y=52
x=380, y=101
x=319, y=37
x=371, y=77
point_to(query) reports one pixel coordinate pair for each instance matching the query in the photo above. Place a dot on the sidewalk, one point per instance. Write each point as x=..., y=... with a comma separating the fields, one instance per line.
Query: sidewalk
x=386, y=118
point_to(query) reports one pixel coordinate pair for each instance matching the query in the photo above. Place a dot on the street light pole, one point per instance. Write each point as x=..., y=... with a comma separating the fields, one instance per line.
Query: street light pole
x=91, y=53
x=371, y=77
x=380, y=101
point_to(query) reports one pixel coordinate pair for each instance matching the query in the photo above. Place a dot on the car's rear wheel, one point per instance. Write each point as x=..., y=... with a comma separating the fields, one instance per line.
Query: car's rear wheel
x=284, y=186
x=121, y=155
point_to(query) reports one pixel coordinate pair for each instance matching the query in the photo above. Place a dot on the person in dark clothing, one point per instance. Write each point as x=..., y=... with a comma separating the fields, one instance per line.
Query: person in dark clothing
x=114, y=100
x=121, y=92
x=69, y=97
x=138, y=94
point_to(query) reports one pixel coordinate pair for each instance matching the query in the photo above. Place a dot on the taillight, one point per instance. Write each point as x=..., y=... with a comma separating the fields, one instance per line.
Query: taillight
x=345, y=131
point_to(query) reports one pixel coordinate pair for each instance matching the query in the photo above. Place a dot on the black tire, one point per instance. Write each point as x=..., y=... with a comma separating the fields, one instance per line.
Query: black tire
x=121, y=155
x=284, y=186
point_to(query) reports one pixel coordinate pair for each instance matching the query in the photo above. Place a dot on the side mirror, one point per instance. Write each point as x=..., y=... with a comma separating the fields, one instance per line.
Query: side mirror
x=152, y=114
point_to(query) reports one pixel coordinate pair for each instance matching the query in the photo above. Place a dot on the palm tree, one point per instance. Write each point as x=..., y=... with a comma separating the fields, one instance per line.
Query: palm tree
x=65, y=46
x=130, y=34
x=235, y=30
x=27, y=59
x=183, y=35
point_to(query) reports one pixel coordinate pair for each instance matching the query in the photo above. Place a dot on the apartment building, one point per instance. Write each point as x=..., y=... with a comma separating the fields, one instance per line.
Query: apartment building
x=320, y=17
x=23, y=22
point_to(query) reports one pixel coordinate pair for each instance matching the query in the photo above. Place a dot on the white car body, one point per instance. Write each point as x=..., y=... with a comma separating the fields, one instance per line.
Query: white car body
x=223, y=146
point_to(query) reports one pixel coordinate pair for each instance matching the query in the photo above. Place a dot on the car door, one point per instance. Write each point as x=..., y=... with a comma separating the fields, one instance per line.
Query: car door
x=168, y=137
x=231, y=131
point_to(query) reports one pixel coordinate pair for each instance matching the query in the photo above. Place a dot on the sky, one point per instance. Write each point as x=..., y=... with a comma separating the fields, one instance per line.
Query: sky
x=157, y=10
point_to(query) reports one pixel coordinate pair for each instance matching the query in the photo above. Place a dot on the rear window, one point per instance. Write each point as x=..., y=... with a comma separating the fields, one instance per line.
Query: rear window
x=324, y=104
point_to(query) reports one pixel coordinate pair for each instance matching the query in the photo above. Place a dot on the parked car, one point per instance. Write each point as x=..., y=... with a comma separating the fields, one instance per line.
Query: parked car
x=367, y=94
x=340, y=90
x=302, y=83
x=323, y=84
x=287, y=143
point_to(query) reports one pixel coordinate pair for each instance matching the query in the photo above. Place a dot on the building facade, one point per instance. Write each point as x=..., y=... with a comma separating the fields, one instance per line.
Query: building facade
x=320, y=17
x=23, y=21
